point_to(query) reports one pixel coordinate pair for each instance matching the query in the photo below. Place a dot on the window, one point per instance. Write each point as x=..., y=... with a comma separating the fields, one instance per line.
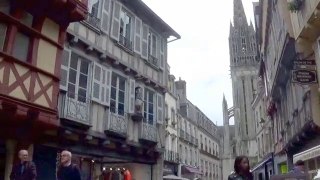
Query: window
x=78, y=78
x=118, y=89
x=152, y=46
x=3, y=29
x=205, y=143
x=93, y=7
x=21, y=46
x=125, y=29
x=195, y=157
x=186, y=155
x=148, y=106
x=190, y=160
x=173, y=119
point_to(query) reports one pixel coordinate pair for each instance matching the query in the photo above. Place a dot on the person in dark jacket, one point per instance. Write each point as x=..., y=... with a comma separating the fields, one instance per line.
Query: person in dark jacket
x=68, y=170
x=24, y=170
x=241, y=169
x=298, y=167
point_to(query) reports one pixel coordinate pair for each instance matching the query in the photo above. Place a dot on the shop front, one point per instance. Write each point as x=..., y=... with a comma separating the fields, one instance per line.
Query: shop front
x=264, y=169
x=311, y=158
x=92, y=166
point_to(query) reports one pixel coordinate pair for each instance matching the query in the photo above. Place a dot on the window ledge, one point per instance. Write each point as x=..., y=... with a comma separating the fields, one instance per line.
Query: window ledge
x=152, y=65
x=91, y=27
x=124, y=48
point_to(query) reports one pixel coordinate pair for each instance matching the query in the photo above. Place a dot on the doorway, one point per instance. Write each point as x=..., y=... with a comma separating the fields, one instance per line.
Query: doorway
x=2, y=159
x=45, y=159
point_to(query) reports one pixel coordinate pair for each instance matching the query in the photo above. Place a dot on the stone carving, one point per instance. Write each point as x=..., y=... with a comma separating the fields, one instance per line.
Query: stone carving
x=138, y=100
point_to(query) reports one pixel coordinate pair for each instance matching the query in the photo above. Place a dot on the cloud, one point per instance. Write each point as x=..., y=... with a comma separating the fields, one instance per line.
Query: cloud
x=201, y=57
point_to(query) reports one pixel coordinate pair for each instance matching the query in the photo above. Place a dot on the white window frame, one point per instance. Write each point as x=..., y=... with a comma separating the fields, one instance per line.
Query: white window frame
x=146, y=106
x=150, y=44
x=117, y=88
x=78, y=73
x=132, y=22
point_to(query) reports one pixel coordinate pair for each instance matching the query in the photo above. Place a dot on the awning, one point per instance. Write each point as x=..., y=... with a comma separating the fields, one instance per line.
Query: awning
x=174, y=177
x=308, y=154
x=192, y=170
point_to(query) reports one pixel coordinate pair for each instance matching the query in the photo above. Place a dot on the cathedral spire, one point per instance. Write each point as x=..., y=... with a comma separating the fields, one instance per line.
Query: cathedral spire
x=239, y=17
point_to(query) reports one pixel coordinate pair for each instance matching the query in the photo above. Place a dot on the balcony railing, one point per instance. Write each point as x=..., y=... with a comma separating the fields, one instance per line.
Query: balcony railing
x=182, y=135
x=171, y=156
x=153, y=60
x=93, y=20
x=75, y=107
x=148, y=132
x=117, y=124
x=125, y=42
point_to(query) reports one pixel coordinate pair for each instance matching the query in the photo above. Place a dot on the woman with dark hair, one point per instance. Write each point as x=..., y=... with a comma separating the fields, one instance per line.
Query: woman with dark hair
x=241, y=169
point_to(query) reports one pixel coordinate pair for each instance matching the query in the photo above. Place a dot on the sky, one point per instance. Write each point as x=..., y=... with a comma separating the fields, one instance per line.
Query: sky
x=201, y=56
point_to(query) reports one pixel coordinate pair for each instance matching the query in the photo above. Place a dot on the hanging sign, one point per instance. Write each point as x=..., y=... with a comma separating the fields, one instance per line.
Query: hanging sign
x=304, y=76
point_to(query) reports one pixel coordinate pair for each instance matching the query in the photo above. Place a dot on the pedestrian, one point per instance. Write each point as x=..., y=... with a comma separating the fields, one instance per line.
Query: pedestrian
x=298, y=167
x=241, y=169
x=68, y=170
x=25, y=169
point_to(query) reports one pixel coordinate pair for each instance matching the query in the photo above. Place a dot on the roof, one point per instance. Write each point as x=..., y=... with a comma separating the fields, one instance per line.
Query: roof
x=147, y=15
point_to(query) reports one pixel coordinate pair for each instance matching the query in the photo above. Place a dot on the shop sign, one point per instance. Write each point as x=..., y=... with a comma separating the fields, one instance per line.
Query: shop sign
x=304, y=64
x=304, y=76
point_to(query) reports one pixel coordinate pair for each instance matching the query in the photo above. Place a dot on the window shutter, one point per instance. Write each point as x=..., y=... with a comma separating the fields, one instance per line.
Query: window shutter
x=101, y=84
x=97, y=82
x=162, y=57
x=137, y=36
x=66, y=54
x=144, y=50
x=106, y=16
x=107, y=86
x=131, y=95
x=159, y=108
x=115, y=27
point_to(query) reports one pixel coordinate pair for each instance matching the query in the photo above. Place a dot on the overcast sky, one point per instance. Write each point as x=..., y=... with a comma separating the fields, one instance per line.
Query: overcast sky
x=201, y=56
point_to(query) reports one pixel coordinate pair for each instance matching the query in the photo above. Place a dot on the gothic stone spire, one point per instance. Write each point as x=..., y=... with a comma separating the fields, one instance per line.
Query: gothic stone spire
x=239, y=17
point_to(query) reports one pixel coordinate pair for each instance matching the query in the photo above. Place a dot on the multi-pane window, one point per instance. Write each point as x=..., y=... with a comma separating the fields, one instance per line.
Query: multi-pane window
x=78, y=78
x=118, y=89
x=21, y=46
x=125, y=29
x=152, y=43
x=149, y=106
